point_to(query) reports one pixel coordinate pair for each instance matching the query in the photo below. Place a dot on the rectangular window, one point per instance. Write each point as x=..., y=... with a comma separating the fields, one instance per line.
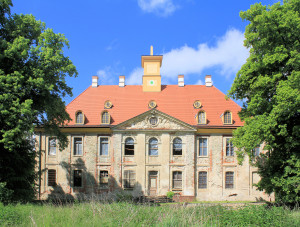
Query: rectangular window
x=103, y=179
x=202, y=183
x=256, y=151
x=51, y=177
x=77, y=146
x=229, y=148
x=103, y=146
x=177, y=180
x=77, y=178
x=203, y=147
x=129, y=179
x=229, y=176
x=52, y=146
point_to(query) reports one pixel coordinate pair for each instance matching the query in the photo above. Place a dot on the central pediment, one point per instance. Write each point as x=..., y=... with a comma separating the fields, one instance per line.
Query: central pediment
x=154, y=120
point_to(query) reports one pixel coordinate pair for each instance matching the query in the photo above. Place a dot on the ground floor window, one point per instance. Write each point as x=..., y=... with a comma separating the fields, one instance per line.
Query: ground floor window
x=51, y=177
x=103, y=179
x=177, y=180
x=229, y=179
x=202, y=182
x=129, y=179
x=77, y=178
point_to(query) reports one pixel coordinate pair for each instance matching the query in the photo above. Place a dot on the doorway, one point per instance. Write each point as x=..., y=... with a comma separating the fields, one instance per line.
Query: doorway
x=153, y=183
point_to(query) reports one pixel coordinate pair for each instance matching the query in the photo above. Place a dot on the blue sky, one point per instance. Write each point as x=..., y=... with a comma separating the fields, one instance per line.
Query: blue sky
x=108, y=37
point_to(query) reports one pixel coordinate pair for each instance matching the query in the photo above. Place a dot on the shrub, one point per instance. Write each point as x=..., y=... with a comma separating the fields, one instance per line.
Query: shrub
x=5, y=193
x=170, y=195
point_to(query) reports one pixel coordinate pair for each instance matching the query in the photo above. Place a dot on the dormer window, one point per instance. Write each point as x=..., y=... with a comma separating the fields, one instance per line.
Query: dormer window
x=197, y=104
x=152, y=104
x=201, y=118
x=79, y=117
x=107, y=104
x=227, y=118
x=105, y=118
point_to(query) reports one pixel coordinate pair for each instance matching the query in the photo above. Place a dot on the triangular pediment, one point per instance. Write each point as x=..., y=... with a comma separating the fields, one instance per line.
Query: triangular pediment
x=154, y=120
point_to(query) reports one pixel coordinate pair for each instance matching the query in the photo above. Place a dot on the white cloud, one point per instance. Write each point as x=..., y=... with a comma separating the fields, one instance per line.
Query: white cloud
x=107, y=75
x=135, y=77
x=159, y=7
x=199, y=82
x=228, y=54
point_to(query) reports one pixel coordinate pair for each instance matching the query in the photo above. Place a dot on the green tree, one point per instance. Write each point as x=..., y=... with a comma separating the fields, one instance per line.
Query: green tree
x=269, y=84
x=33, y=69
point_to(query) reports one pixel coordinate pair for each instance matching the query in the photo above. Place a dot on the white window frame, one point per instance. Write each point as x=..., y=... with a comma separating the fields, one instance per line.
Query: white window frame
x=198, y=145
x=231, y=147
x=172, y=146
x=49, y=147
x=108, y=143
x=73, y=143
x=124, y=144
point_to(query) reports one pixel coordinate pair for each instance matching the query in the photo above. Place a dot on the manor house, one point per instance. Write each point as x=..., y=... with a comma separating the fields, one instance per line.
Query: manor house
x=149, y=139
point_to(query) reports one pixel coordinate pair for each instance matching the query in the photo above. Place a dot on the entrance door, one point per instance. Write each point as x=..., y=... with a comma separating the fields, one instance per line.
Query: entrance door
x=153, y=183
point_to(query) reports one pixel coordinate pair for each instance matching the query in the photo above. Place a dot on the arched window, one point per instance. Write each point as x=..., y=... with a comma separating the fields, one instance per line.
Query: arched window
x=177, y=146
x=201, y=117
x=227, y=118
x=79, y=117
x=129, y=146
x=153, y=146
x=105, y=118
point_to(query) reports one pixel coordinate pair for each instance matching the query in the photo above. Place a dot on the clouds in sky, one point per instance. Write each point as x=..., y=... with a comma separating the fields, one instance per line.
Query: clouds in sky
x=159, y=7
x=228, y=55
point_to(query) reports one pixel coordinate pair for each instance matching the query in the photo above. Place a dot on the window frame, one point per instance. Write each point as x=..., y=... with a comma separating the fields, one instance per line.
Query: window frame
x=129, y=178
x=99, y=140
x=207, y=150
x=173, y=149
x=81, y=182
x=103, y=185
x=177, y=180
x=149, y=147
x=198, y=118
x=229, y=183
x=102, y=118
x=82, y=149
x=49, y=146
x=254, y=151
x=76, y=117
x=127, y=138
x=55, y=177
x=200, y=182
x=224, y=118
x=230, y=147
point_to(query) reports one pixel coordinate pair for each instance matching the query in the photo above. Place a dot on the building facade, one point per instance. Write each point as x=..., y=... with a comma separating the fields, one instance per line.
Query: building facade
x=149, y=139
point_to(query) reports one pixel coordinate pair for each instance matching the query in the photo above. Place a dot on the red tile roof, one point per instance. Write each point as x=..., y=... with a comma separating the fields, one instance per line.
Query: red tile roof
x=130, y=101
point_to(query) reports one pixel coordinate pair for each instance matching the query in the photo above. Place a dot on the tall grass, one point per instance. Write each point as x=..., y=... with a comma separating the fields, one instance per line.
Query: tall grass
x=129, y=214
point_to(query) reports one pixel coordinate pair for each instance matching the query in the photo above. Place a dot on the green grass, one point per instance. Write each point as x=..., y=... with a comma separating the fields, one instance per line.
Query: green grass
x=127, y=214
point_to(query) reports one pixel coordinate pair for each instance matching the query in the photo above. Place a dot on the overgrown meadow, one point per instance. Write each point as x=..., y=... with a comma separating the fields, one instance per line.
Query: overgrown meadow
x=130, y=214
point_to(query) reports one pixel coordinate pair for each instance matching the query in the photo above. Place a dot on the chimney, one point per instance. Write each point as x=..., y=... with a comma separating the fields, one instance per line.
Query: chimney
x=94, y=81
x=181, y=80
x=208, y=81
x=121, y=81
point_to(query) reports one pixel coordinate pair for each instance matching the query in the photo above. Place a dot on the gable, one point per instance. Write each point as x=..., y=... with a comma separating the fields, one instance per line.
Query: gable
x=154, y=120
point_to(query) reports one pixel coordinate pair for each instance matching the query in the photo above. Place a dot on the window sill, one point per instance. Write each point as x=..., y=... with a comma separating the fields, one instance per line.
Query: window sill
x=128, y=155
x=104, y=156
x=177, y=190
x=77, y=155
x=153, y=155
x=206, y=156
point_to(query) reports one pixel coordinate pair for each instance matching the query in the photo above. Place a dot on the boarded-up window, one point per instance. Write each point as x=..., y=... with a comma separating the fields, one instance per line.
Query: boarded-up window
x=202, y=183
x=229, y=148
x=177, y=180
x=103, y=146
x=129, y=146
x=52, y=146
x=77, y=178
x=103, y=179
x=77, y=146
x=203, y=147
x=51, y=177
x=129, y=179
x=229, y=179
x=177, y=146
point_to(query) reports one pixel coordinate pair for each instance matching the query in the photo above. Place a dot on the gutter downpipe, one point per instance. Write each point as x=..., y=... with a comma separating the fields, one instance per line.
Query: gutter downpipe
x=40, y=164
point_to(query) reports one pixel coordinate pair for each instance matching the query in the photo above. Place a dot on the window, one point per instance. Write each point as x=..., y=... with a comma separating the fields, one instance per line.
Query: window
x=129, y=146
x=229, y=148
x=229, y=179
x=129, y=179
x=202, y=182
x=203, y=147
x=227, y=118
x=177, y=180
x=201, y=117
x=197, y=104
x=103, y=179
x=52, y=146
x=107, y=104
x=77, y=177
x=256, y=151
x=103, y=146
x=79, y=117
x=153, y=146
x=152, y=104
x=105, y=119
x=77, y=146
x=177, y=146
x=51, y=177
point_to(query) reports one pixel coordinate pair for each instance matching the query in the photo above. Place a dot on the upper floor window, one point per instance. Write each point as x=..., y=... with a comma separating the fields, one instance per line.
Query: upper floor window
x=177, y=146
x=229, y=147
x=227, y=118
x=153, y=146
x=52, y=146
x=51, y=177
x=129, y=179
x=77, y=148
x=177, y=180
x=203, y=147
x=129, y=146
x=103, y=179
x=256, y=151
x=202, y=181
x=201, y=117
x=79, y=117
x=229, y=179
x=103, y=146
x=105, y=118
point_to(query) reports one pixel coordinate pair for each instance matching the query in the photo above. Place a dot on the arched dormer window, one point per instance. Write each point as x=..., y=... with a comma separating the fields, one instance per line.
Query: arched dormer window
x=227, y=117
x=79, y=116
x=105, y=118
x=201, y=118
x=177, y=146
